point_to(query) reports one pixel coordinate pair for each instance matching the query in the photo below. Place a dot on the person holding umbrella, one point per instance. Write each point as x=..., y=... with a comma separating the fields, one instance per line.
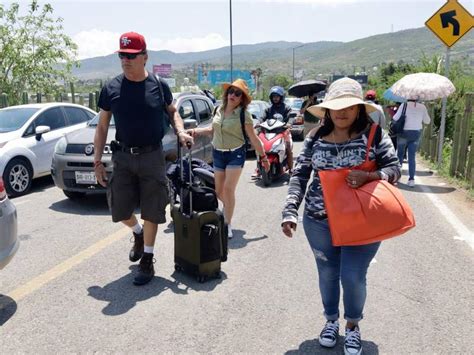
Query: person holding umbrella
x=310, y=101
x=415, y=115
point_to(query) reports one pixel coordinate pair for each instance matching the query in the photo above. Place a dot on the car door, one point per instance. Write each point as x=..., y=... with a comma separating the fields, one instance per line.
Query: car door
x=43, y=148
x=205, y=121
x=188, y=111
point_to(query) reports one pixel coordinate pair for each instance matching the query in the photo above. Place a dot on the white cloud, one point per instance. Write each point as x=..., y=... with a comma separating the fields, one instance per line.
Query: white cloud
x=95, y=43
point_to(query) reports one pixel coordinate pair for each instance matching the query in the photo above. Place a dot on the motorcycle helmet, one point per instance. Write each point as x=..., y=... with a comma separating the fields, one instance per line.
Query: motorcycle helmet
x=277, y=90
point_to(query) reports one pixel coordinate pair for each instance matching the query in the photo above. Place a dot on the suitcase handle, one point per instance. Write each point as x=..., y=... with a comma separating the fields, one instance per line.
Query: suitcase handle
x=181, y=173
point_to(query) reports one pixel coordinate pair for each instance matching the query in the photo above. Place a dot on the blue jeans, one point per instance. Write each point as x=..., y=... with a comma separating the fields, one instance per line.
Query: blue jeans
x=410, y=140
x=339, y=265
x=231, y=159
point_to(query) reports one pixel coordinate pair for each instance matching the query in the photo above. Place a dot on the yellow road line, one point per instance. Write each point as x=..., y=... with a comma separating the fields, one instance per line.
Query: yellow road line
x=41, y=280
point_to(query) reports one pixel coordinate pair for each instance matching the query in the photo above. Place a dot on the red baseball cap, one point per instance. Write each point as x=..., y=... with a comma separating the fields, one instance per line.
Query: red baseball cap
x=132, y=42
x=371, y=94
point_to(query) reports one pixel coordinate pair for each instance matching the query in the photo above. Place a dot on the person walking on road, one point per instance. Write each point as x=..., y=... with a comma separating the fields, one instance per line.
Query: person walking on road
x=228, y=141
x=137, y=103
x=339, y=143
x=416, y=114
x=377, y=116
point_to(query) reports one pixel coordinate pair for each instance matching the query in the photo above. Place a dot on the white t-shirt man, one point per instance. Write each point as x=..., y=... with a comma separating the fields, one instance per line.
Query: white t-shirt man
x=416, y=115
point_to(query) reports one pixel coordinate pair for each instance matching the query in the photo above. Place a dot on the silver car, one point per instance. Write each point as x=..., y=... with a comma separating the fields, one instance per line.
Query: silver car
x=9, y=242
x=72, y=166
x=28, y=134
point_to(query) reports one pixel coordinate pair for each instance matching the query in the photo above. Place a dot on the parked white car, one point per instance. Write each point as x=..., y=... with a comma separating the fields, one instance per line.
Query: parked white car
x=28, y=134
x=9, y=242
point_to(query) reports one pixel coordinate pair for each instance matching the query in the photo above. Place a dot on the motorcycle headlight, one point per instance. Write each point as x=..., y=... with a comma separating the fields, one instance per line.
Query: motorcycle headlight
x=60, y=147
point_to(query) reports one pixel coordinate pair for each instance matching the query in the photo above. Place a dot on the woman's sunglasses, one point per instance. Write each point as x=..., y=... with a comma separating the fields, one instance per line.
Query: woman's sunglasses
x=129, y=56
x=236, y=92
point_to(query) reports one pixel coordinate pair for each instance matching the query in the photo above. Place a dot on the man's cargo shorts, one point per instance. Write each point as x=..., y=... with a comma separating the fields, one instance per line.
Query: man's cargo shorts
x=138, y=180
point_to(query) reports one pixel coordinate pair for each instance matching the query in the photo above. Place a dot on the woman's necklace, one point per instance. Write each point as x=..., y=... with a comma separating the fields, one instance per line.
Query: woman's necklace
x=339, y=152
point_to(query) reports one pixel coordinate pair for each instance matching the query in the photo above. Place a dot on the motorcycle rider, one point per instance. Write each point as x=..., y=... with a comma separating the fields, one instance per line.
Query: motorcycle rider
x=277, y=100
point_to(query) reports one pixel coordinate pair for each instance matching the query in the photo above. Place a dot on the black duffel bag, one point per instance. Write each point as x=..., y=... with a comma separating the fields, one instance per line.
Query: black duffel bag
x=204, y=199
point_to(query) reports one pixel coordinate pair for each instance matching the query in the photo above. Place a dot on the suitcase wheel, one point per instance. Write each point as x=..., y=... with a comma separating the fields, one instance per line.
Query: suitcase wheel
x=201, y=278
x=178, y=267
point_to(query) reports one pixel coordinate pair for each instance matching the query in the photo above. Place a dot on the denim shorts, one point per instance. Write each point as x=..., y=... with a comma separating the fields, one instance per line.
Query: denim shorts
x=231, y=159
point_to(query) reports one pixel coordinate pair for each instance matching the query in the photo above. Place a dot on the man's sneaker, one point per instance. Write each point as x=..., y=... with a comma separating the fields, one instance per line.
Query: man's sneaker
x=136, y=252
x=411, y=183
x=146, y=271
x=329, y=334
x=230, y=235
x=352, y=342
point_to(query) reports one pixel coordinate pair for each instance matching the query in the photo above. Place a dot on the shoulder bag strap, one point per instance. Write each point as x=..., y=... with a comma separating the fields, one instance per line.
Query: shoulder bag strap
x=370, y=140
x=242, y=124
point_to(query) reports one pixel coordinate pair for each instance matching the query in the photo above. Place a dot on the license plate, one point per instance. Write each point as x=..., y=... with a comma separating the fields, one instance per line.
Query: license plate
x=85, y=177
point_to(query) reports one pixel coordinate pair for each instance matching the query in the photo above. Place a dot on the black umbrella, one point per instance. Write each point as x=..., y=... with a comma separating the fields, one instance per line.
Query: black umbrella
x=306, y=88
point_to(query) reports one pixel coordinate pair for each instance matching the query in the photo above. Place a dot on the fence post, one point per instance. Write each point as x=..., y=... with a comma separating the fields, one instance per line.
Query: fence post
x=91, y=100
x=24, y=98
x=4, y=100
x=465, y=133
x=455, y=151
x=96, y=101
x=81, y=100
x=38, y=97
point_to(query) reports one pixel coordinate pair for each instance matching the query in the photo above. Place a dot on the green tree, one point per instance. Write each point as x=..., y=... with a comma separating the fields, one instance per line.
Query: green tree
x=35, y=54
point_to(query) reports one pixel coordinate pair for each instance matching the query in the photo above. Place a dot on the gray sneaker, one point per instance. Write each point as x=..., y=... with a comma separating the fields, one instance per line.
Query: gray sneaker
x=352, y=342
x=329, y=334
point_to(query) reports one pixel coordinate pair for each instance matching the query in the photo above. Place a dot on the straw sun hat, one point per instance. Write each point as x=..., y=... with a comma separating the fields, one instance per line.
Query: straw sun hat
x=241, y=85
x=341, y=94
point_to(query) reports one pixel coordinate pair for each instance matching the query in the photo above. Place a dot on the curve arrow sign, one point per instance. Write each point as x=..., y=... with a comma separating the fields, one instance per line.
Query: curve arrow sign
x=448, y=18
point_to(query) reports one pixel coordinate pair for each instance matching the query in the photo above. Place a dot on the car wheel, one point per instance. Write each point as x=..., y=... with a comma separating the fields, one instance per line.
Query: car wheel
x=17, y=177
x=74, y=195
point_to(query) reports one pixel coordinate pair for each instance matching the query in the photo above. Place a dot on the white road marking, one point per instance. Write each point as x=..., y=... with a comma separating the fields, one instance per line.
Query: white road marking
x=463, y=232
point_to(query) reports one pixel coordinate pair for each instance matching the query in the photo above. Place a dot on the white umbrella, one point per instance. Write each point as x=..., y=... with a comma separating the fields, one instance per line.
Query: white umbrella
x=423, y=87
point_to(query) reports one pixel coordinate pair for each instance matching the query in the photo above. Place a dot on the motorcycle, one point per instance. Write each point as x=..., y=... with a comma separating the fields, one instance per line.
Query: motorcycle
x=272, y=135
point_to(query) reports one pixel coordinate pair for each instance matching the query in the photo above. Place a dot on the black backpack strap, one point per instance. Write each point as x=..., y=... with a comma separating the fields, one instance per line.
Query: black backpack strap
x=242, y=123
x=157, y=80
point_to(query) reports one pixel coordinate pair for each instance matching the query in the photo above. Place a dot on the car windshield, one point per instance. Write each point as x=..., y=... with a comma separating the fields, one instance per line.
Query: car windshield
x=295, y=104
x=13, y=119
x=95, y=121
x=254, y=109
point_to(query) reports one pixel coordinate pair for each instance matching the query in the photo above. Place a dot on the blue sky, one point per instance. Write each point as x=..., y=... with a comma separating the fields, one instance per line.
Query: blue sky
x=189, y=26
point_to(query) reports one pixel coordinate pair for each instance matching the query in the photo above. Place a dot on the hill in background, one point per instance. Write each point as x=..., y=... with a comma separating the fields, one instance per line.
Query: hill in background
x=314, y=58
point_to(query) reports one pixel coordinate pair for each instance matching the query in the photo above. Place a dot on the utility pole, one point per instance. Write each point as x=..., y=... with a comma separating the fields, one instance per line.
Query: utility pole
x=231, y=56
x=294, y=59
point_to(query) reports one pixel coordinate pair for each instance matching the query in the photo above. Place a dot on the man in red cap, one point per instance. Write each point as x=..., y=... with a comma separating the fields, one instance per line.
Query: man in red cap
x=139, y=103
x=376, y=116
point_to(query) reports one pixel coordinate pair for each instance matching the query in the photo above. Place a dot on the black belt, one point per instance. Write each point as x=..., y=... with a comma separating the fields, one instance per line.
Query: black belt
x=138, y=150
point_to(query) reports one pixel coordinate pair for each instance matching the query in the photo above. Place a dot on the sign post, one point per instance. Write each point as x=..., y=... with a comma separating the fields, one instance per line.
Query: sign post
x=449, y=24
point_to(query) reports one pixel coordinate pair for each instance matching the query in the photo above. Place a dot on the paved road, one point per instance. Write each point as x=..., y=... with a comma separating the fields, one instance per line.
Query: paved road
x=69, y=289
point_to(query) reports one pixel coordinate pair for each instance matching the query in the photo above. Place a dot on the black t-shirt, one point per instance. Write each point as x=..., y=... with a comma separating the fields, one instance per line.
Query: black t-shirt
x=137, y=108
x=282, y=109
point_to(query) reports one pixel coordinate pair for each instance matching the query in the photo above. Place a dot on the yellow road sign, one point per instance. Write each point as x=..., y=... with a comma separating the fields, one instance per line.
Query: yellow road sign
x=450, y=22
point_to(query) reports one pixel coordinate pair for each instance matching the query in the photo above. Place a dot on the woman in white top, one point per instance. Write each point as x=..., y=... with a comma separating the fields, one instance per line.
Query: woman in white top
x=416, y=115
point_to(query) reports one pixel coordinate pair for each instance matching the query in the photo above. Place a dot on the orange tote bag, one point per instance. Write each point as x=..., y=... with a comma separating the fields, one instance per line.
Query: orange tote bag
x=373, y=212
